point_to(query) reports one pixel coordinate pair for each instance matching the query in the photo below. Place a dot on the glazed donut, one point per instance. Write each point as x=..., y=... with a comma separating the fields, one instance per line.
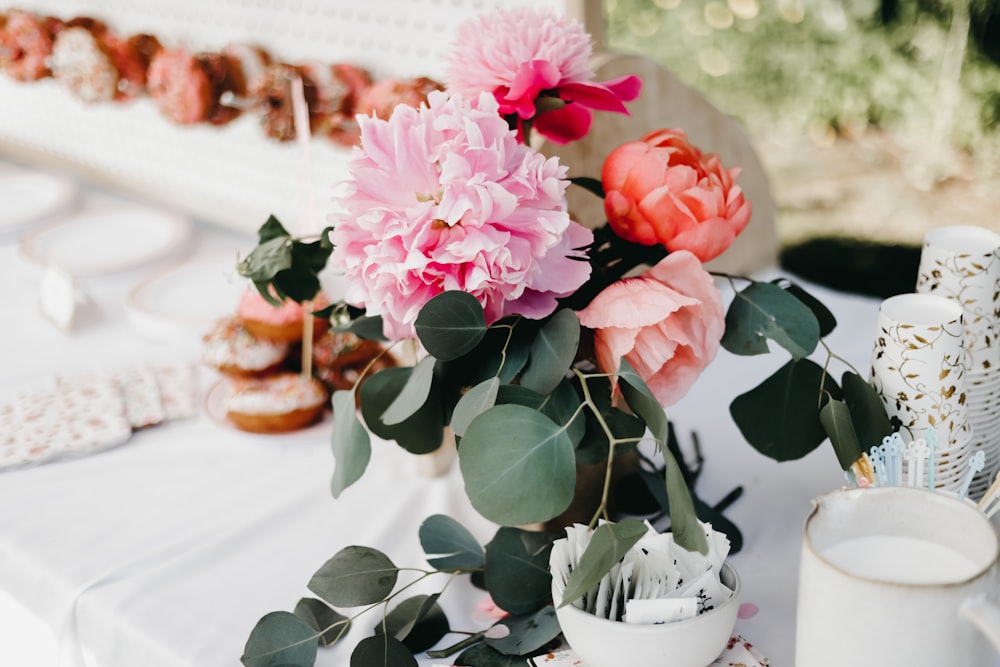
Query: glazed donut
x=26, y=45
x=272, y=95
x=338, y=88
x=248, y=63
x=276, y=404
x=381, y=98
x=283, y=323
x=82, y=62
x=234, y=351
x=339, y=358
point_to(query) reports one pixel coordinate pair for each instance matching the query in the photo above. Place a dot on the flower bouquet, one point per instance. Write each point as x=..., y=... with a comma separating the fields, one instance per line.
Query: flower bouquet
x=543, y=344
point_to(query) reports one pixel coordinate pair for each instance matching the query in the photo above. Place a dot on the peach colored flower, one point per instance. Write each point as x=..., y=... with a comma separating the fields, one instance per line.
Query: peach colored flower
x=663, y=190
x=667, y=322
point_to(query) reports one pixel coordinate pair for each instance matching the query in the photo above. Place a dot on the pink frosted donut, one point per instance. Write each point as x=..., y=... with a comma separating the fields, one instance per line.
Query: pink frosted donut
x=283, y=323
x=179, y=86
x=26, y=44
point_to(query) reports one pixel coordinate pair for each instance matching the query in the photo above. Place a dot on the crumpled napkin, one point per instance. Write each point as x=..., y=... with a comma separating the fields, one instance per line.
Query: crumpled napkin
x=656, y=581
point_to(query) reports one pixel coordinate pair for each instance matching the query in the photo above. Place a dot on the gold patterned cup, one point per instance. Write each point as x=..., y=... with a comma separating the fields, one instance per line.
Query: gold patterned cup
x=918, y=366
x=962, y=263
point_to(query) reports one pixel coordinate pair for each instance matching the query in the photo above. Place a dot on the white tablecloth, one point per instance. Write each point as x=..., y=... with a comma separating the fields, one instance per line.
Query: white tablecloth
x=164, y=552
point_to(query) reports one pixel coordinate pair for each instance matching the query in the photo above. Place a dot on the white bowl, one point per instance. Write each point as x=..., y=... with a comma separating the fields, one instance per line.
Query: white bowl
x=693, y=642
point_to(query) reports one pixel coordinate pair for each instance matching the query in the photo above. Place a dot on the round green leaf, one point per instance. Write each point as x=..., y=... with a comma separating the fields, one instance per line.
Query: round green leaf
x=780, y=417
x=280, y=639
x=419, y=622
x=355, y=576
x=453, y=544
x=518, y=465
x=763, y=311
x=350, y=442
x=451, y=324
x=382, y=651
x=420, y=433
x=330, y=624
x=552, y=352
x=827, y=322
x=517, y=570
x=413, y=394
x=528, y=633
x=474, y=402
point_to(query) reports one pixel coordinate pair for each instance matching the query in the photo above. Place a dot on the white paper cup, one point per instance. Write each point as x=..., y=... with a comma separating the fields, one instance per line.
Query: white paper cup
x=918, y=366
x=962, y=263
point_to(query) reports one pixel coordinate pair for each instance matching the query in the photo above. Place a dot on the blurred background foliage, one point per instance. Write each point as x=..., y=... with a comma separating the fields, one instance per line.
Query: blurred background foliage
x=876, y=119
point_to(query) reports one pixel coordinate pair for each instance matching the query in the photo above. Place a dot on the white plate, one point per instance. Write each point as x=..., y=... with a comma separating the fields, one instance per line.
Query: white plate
x=99, y=241
x=28, y=197
x=186, y=299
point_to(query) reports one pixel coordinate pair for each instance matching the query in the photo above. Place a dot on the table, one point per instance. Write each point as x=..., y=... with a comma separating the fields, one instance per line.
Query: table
x=165, y=551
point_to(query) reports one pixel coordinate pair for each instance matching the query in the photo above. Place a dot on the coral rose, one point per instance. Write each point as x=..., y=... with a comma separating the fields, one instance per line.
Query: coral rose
x=667, y=322
x=663, y=190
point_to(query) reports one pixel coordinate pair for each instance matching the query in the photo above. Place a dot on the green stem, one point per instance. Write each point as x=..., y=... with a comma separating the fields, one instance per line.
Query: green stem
x=455, y=648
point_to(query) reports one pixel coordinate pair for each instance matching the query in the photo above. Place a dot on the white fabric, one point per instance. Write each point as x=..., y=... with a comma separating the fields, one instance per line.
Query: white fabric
x=165, y=551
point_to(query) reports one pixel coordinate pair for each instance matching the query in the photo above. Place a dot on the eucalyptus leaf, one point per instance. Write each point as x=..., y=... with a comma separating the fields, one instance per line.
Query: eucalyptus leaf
x=330, y=624
x=419, y=622
x=836, y=419
x=688, y=533
x=452, y=544
x=552, y=352
x=280, y=639
x=355, y=576
x=482, y=655
x=641, y=400
x=413, y=395
x=594, y=446
x=421, y=432
x=518, y=465
x=592, y=185
x=367, y=326
x=871, y=422
x=608, y=545
x=780, y=416
x=451, y=324
x=827, y=322
x=352, y=448
x=765, y=311
x=382, y=650
x=517, y=569
x=475, y=401
x=272, y=228
x=267, y=260
x=528, y=632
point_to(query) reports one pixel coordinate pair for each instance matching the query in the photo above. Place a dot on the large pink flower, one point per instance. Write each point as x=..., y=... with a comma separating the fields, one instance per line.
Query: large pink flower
x=445, y=198
x=525, y=54
x=667, y=322
x=663, y=190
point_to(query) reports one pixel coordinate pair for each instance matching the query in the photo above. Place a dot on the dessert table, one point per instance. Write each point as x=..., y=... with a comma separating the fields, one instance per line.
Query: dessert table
x=165, y=551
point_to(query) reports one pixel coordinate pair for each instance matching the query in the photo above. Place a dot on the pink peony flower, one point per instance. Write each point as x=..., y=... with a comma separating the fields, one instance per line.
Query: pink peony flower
x=445, y=198
x=524, y=54
x=667, y=322
x=663, y=190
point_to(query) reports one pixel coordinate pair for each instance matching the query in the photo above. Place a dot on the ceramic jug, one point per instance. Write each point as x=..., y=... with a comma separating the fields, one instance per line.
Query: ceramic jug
x=898, y=576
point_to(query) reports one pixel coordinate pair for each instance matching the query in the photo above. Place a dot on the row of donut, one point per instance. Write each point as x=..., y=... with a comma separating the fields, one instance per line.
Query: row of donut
x=257, y=350
x=98, y=65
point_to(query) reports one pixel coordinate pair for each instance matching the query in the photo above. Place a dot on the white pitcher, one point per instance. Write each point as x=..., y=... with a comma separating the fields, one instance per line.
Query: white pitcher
x=898, y=576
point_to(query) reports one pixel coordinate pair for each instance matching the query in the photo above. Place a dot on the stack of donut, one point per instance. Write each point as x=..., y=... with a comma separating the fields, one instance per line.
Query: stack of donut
x=96, y=64
x=257, y=351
